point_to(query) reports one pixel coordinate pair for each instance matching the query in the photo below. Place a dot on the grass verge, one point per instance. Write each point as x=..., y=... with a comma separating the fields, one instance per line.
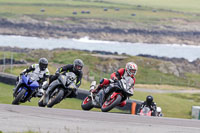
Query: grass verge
x=173, y=105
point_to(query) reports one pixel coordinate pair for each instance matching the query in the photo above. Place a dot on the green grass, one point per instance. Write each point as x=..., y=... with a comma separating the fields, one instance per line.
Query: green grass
x=150, y=76
x=173, y=105
x=180, y=5
x=177, y=5
x=6, y=93
x=62, y=9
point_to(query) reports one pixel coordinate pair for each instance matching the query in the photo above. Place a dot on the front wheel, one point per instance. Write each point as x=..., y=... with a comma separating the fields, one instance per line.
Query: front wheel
x=19, y=96
x=111, y=103
x=87, y=104
x=55, y=98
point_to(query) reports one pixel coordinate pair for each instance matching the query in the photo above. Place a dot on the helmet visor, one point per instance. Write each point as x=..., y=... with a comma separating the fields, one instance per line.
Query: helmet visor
x=78, y=67
x=132, y=71
x=43, y=66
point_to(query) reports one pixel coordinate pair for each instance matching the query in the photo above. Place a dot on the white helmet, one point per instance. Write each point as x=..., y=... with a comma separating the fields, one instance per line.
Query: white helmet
x=158, y=109
x=131, y=68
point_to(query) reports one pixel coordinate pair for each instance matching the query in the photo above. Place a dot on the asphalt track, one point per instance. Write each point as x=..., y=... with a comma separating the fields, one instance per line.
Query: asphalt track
x=18, y=118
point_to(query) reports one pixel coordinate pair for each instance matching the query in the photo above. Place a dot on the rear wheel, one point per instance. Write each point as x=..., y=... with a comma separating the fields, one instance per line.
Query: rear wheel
x=110, y=103
x=87, y=104
x=19, y=96
x=55, y=98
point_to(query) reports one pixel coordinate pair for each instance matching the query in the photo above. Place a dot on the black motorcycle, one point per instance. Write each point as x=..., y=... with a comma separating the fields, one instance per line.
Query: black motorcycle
x=59, y=89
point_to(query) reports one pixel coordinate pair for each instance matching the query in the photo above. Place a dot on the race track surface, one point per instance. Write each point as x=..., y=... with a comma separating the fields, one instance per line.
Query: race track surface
x=18, y=118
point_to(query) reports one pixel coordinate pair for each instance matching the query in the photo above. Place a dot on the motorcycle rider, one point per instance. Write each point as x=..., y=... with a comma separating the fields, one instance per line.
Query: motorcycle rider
x=149, y=103
x=129, y=70
x=39, y=69
x=76, y=68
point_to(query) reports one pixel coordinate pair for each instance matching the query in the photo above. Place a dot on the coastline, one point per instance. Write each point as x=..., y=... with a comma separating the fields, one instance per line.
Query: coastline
x=188, y=52
x=97, y=31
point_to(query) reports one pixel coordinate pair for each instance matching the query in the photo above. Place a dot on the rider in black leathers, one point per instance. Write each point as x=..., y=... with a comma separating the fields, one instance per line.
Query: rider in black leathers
x=76, y=68
x=149, y=103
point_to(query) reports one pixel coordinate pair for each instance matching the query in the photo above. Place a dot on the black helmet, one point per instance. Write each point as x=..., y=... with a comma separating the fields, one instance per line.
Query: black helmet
x=78, y=65
x=149, y=100
x=43, y=63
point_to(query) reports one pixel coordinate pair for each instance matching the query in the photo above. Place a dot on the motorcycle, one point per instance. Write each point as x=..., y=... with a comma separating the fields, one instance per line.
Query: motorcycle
x=28, y=88
x=59, y=89
x=145, y=111
x=123, y=89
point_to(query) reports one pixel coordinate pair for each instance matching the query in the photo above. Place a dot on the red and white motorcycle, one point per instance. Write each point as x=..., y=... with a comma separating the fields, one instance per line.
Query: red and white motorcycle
x=145, y=111
x=123, y=89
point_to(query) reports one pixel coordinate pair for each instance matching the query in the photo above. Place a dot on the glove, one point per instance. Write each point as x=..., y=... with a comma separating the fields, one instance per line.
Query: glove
x=76, y=88
x=93, y=91
x=114, y=79
x=22, y=73
x=57, y=74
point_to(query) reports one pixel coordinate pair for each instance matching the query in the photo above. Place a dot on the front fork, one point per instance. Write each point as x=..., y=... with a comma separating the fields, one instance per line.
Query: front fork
x=17, y=88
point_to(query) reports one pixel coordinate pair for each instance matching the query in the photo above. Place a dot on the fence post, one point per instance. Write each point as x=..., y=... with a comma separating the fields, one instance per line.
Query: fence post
x=4, y=61
x=11, y=62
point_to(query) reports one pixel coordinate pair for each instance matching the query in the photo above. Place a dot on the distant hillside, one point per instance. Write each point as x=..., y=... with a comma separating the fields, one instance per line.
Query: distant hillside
x=178, y=72
x=116, y=20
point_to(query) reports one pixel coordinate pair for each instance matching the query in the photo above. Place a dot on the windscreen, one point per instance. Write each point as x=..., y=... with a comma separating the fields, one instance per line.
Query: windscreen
x=128, y=84
x=34, y=76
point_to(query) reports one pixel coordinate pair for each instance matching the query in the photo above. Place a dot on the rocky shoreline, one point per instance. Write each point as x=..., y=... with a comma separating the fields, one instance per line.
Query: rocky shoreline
x=97, y=30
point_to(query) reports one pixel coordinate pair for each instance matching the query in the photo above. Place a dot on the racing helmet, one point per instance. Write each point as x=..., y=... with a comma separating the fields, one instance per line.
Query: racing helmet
x=131, y=69
x=149, y=99
x=78, y=65
x=43, y=63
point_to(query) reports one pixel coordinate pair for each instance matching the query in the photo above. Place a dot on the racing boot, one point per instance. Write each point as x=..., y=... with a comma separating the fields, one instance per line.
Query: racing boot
x=101, y=97
x=45, y=98
x=104, y=94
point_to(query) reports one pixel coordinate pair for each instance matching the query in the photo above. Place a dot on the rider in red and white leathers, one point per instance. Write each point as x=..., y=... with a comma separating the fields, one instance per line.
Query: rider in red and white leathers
x=129, y=70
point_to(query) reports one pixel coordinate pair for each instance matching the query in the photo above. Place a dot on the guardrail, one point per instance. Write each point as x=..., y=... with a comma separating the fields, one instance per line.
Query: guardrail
x=131, y=106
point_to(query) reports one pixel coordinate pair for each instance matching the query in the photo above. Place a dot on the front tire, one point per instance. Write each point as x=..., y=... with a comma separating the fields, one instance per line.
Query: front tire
x=19, y=96
x=111, y=103
x=55, y=99
x=87, y=104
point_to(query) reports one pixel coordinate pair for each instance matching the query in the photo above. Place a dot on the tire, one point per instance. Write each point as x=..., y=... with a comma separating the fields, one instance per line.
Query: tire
x=40, y=102
x=87, y=104
x=19, y=96
x=108, y=105
x=55, y=99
